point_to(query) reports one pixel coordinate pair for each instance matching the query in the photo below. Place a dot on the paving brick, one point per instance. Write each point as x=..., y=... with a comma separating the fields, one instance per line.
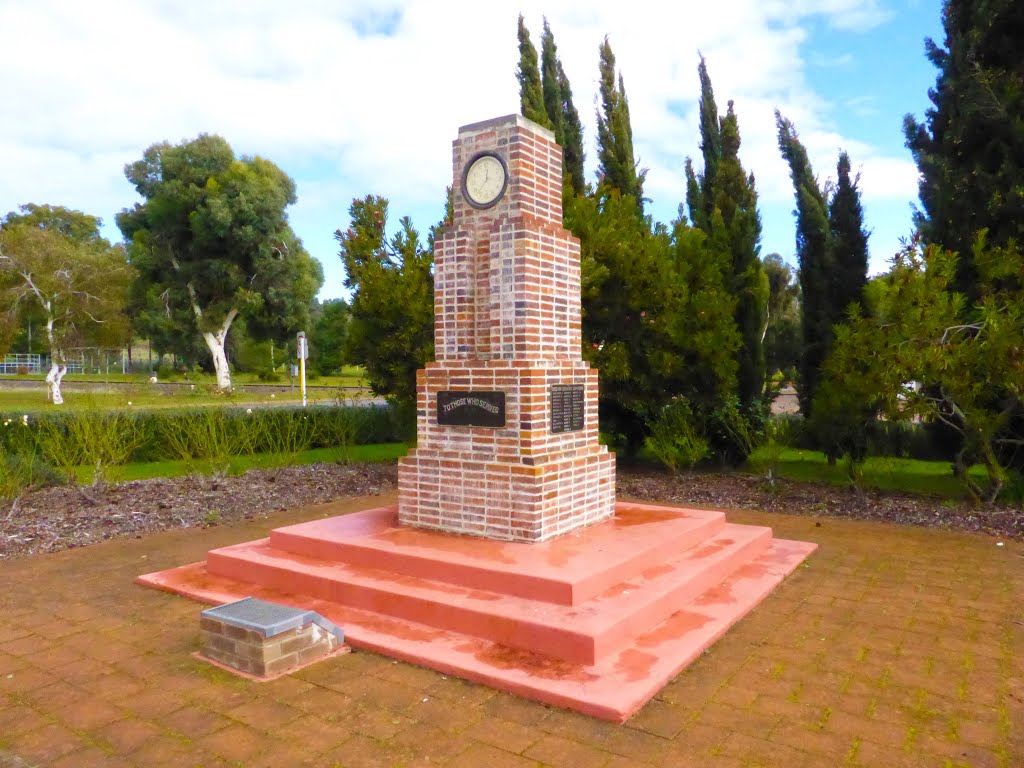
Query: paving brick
x=660, y=718
x=510, y=707
x=46, y=744
x=149, y=703
x=565, y=753
x=506, y=735
x=429, y=745
x=374, y=722
x=90, y=757
x=15, y=720
x=321, y=701
x=443, y=715
x=365, y=752
x=169, y=752
x=265, y=714
x=871, y=699
x=193, y=722
x=483, y=755
x=460, y=692
x=126, y=736
x=236, y=742
x=314, y=735
x=27, y=678
x=90, y=714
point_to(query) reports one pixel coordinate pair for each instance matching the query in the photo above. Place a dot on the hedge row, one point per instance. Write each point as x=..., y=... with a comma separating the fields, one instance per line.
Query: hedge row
x=156, y=435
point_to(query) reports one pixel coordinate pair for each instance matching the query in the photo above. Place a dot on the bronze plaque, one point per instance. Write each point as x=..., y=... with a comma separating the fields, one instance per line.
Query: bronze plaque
x=471, y=409
x=568, y=403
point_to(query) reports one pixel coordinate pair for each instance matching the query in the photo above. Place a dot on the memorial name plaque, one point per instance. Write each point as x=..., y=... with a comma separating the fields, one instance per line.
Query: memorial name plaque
x=471, y=409
x=567, y=402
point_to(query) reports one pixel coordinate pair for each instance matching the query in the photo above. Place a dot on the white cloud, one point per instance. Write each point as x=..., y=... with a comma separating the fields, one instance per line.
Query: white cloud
x=352, y=99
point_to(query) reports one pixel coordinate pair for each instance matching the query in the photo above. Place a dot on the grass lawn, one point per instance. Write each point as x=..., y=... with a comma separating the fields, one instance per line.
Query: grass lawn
x=350, y=376
x=928, y=478
x=239, y=464
x=24, y=400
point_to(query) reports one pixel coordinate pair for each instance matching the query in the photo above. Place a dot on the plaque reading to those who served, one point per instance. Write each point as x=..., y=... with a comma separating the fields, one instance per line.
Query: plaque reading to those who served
x=471, y=409
x=567, y=407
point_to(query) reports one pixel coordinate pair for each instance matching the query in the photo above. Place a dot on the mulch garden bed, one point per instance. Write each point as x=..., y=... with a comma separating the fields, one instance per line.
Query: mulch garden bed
x=52, y=519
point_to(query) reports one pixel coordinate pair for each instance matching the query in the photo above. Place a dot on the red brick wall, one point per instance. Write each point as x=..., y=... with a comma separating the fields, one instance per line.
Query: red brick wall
x=507, y=303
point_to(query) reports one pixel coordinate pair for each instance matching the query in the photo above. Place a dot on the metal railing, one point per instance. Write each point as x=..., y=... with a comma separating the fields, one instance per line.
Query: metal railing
x=20, y=363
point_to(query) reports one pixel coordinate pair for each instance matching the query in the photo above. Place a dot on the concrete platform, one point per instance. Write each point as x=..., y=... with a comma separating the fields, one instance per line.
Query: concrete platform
x=596, y=621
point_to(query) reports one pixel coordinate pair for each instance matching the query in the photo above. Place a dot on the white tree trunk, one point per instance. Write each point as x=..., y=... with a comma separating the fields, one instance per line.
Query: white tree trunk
x=215, y=341
x=57, y=370
x=53, y=379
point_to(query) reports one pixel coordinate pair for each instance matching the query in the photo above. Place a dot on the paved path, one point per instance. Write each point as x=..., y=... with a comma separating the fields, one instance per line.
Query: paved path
x=890, y=647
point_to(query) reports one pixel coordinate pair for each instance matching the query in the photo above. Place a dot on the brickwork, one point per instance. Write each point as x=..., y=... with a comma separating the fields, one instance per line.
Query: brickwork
x=507, y=306
x=249, y=651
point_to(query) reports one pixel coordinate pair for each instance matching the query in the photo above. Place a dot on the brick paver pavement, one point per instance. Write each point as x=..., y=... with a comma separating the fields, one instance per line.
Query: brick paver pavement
x=891, y=646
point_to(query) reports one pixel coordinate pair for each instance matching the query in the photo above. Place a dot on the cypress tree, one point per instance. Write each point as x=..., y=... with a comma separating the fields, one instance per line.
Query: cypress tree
x=550, y=85
x=735, y=197
x=970, y=148
x=848, y=241
x=546, y=98
x=616, y=162
x=531, y=94
x=699, y=196
x=722, y=195
x=572, y=128
x=832, y=251
x=812, y=253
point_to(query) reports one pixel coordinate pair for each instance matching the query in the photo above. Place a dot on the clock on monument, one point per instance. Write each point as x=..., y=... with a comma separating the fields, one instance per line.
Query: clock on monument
x=485, y=179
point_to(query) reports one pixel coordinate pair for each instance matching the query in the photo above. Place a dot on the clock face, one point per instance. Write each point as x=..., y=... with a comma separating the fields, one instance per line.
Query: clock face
x=484, y=180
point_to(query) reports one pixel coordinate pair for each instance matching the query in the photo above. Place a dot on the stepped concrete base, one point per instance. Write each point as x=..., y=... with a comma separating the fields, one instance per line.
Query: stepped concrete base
x=597, y=621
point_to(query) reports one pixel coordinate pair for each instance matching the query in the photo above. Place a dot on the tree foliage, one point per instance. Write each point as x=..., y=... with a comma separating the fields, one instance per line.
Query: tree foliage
x=211, y=241
x=531, y=91
x=848, y=240
x=572, y=137
x=617, y=167
x=545, y=97
x=74, y=225
x=391, y=330
x=831, y=248
x=971, y=353
x=970, y=147
x=328, y=338
x=782, y=338
x=54, y=263
x=812, y=257
x=722, y=201
x=657, y=318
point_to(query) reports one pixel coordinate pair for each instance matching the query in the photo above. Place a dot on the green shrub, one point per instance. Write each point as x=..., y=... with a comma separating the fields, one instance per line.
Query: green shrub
x=22, y=472
x=790, y=429
x=84, y=437
x=97, y=440
x=767, y=458
x=207, y=439
x=675, y=438
x=731, y=435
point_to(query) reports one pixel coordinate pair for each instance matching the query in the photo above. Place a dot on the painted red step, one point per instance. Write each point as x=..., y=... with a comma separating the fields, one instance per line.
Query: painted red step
x=580, y=633
x=568, y=569
x=613, y=688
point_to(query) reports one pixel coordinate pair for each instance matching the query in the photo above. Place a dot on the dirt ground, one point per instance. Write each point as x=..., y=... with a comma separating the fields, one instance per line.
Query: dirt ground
x=55, y=519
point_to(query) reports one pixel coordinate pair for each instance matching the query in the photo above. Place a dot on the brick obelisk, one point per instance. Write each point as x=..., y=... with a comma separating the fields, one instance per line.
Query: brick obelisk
x=507, y=443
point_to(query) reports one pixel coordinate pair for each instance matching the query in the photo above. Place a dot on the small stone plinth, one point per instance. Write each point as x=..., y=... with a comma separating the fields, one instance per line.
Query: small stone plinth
x=265, y=640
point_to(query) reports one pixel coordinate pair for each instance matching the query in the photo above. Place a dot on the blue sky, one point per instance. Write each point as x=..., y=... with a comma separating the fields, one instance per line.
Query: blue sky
x=352, y=99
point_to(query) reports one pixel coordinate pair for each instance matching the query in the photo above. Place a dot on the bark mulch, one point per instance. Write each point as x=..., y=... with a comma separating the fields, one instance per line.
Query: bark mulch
x=52, y=519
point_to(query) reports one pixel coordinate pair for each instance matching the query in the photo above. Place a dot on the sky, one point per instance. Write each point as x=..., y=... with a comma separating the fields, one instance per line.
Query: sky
x=357, y=98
